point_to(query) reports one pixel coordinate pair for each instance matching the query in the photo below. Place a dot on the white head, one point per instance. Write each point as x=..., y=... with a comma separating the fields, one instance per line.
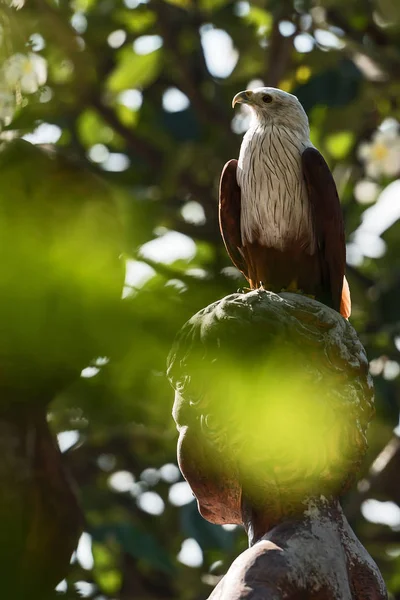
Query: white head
x=275, y=107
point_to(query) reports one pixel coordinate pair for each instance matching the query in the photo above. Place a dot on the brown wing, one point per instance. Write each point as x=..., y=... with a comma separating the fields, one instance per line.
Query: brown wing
x=229, y=215
x=329, y=228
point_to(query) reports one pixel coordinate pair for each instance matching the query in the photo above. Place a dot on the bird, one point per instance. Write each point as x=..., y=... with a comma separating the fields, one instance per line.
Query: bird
x=279, y=211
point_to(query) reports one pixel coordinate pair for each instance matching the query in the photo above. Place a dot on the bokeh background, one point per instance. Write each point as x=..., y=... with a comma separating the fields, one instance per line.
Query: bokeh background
x=138, y=96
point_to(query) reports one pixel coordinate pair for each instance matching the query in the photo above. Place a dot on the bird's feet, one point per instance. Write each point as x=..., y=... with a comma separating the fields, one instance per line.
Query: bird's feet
x=246, y=290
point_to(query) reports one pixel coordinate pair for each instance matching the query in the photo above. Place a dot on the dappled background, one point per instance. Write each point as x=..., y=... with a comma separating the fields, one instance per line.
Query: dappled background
x=138, y=95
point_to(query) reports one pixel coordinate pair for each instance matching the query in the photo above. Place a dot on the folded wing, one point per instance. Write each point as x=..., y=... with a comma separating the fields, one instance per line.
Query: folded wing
x=229, y=215
x=329, y=228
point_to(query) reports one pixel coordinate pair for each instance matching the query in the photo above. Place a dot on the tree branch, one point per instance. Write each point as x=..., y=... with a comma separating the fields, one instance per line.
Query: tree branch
x=280, y=50
x=135, y=143
x=191, y=80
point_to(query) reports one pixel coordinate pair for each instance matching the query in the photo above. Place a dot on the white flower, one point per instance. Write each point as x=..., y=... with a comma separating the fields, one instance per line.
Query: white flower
x=16, y=3
x=7, y=105
x=381, y=156
x=29, y=71
x=366, y=191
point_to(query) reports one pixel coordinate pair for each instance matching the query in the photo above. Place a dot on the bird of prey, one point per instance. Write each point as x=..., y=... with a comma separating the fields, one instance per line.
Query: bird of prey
x=279, y=210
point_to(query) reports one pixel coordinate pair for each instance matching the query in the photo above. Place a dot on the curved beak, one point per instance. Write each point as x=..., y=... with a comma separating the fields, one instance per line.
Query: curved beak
x=242, y=98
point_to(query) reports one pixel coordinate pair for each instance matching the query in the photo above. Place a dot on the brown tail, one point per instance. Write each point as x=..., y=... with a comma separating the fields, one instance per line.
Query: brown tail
x=345, y=304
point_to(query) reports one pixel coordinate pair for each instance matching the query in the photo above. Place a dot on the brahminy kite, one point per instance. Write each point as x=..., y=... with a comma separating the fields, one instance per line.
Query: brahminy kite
x=280, y=215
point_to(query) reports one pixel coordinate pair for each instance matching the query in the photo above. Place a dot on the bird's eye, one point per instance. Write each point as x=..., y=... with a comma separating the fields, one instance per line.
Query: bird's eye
x=267, y=98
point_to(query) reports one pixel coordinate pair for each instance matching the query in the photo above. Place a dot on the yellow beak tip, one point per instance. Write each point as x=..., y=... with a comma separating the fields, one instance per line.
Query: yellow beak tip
x=242, y=97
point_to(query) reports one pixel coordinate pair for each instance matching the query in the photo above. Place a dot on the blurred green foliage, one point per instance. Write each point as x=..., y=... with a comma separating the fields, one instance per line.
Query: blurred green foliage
x=124, y=168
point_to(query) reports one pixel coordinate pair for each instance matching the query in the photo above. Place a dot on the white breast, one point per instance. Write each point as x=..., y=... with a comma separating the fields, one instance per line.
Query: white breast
x=275, y=207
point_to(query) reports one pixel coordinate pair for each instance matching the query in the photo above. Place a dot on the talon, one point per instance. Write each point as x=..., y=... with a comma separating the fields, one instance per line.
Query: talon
x=243, y=290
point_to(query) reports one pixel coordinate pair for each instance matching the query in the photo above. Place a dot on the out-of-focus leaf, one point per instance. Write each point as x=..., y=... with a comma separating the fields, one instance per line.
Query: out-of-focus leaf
x=260, y=18
x=66, y=222
x=106, y=572
x=389, y=10
x=213, y=5
x=127, y=116
x=333, y=87
x=359, y=21
x=84, y=5
x=181, y=3
x=339, y=144
x=249, y=66
x=110, y=581
x=303, y=74
x=136, y=21
x=137, y=543
x=206, y=534
x=93, y=130
x=135, y=70
x=394, y=578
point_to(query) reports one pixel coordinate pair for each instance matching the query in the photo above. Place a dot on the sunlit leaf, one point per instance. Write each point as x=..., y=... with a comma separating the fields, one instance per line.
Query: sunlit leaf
x=181, y=3
x=127, y=116
x=260, y=18
x=303, y=74
x=212, y=5
x=134, y=70
x=339, y=144
x=109, y=581
x=93, y=130
x=137, y=21
x=84, y=5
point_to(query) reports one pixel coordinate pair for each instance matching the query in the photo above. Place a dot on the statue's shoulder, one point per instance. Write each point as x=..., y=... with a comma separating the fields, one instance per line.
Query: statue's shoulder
x=301, y=567
x=257, y=574
x=293, y=562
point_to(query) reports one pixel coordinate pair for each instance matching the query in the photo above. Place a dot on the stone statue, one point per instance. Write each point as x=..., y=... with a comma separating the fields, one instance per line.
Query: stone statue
x=272, y=402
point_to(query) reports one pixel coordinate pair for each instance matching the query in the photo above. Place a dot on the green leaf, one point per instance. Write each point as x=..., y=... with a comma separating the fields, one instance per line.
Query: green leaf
x=181, y=3
x=207, y=535
x=127, y=116
x=333, y=87
x=249, y=66
x=109, y=581
x=135, y=70
x=136, y=21
x=137, y=543
x=93, y=130
x=212, y=5
x=339, y=144
x=260, y=18
x=83, y=5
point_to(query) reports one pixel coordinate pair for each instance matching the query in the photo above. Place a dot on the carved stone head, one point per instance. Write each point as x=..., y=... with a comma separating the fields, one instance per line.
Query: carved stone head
x=272, y=401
